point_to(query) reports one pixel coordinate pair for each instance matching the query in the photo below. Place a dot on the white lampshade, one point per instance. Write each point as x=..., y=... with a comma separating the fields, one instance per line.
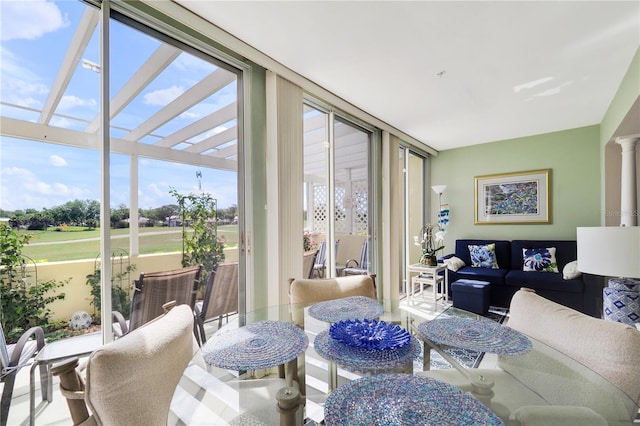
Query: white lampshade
x=610, y=251
x=439, y=189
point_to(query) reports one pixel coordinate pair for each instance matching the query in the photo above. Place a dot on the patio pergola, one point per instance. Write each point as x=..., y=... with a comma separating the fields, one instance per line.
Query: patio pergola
x=197, y=122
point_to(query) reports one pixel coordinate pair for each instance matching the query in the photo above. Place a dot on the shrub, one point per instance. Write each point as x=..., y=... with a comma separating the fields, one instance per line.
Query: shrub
x=120, y=299
x=22, y=305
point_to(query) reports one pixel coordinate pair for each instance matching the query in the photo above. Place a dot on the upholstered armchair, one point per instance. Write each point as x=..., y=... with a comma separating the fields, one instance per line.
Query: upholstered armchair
x=547, y=386
x=132, y=380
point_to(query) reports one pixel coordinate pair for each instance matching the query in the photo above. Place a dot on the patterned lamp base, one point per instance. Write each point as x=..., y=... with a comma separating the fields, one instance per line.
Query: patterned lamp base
x=622, y=300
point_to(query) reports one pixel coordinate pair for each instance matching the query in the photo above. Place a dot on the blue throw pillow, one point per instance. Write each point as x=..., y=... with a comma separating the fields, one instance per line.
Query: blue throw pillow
x=539, y=259
x=483, y=256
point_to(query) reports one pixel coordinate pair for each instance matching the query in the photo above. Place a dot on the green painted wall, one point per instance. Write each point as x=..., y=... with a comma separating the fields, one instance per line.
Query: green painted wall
x=573, y=157
x=624, y=98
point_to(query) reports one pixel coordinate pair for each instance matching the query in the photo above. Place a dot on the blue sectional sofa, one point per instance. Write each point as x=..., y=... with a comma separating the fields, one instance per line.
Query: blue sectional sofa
x=583, y=293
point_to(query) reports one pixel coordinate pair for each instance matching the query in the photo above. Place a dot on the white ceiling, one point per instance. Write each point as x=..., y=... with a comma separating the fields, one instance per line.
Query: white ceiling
x=450, y=73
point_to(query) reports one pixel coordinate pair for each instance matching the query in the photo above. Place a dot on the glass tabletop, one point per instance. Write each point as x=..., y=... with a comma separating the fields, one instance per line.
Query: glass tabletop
x=313, y=369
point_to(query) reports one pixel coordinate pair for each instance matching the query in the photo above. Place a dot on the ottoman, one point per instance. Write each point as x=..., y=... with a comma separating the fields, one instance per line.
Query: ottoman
x=471, y=295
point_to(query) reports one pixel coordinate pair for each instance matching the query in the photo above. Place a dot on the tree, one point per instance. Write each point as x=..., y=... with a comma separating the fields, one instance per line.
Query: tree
x=118, y=216
x=228, y=215
x=39, y=221
x=160, y=214
x=202, y=245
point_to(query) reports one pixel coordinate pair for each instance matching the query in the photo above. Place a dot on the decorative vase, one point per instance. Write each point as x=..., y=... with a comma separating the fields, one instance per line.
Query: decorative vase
x=431, y=260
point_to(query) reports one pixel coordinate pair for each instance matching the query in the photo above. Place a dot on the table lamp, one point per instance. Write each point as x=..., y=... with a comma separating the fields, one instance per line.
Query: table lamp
x=613, y=251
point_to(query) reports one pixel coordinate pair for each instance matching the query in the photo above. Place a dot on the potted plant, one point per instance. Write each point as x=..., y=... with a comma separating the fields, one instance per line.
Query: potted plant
x=430, y=239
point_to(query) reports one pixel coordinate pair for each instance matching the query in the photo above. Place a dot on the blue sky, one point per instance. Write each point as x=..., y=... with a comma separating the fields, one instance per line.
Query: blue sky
x=35, y=35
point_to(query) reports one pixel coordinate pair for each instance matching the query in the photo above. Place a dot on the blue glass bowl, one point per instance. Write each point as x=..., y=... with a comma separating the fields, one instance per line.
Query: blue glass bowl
x=370, y=334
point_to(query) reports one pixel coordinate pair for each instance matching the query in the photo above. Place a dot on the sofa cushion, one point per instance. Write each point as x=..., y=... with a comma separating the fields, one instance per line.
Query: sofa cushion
x=453, y=263
x=539, y=259
x=570, y=271
x=483, y=256
x=502, y=250
x=543, y=281
x=566, y=251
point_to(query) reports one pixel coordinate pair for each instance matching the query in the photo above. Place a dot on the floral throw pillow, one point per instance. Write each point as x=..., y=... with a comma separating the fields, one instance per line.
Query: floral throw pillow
x=483, y=256
x=539, y=259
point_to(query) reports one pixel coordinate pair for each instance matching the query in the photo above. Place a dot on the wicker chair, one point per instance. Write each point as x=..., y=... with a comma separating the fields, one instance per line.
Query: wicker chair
x=220, y=296
x=152, y=291
x=15, y=356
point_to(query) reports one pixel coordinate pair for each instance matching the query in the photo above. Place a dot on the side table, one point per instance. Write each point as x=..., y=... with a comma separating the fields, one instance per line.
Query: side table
x=430, y=275
x=53, y=352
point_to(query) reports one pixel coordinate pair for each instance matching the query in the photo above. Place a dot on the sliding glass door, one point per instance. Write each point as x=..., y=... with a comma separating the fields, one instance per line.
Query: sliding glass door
x=336, y=190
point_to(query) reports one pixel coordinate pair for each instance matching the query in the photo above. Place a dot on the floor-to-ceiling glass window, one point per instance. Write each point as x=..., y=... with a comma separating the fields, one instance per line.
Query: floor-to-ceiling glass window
x=337, y=192
x=174, y=126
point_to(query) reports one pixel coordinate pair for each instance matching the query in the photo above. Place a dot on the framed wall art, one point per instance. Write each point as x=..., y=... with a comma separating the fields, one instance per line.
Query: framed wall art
x=508, y=198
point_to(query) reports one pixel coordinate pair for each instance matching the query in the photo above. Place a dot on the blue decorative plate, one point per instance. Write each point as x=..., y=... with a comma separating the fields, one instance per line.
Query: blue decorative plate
x=370, y=334
x=404, y=399
x=365, y=360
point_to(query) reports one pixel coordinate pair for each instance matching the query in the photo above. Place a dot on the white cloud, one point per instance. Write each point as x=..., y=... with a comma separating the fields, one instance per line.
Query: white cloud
x=188, y=62
x=189, y=114
x=69, y=101
x=57, y=161
x=156, y=191
x=61, y=122
x=30, y=19
x=21, y=188
x=163, y=97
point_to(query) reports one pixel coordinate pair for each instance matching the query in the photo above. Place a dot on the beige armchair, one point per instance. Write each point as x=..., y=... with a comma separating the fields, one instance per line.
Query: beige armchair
x=547, y=386
x=306, y=292
x=131, y=381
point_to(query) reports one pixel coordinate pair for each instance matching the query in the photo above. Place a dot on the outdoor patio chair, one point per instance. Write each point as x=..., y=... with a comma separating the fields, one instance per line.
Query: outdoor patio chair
x=320, y=265
x=308, y=262
x=132, y=380
x=152, y=290
x=354, y=267
x=220, y=296
x=15, y=356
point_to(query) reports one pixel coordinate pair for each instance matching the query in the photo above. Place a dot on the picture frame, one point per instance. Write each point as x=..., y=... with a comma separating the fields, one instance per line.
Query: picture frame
x=513, y=198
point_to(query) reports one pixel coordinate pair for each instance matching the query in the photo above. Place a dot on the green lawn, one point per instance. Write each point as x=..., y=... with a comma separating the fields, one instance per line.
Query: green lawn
x=77, y=245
